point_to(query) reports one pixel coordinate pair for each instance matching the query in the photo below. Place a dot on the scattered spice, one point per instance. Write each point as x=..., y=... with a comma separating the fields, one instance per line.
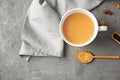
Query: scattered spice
x=117, y=5
x=108, y=12
x=101, y=23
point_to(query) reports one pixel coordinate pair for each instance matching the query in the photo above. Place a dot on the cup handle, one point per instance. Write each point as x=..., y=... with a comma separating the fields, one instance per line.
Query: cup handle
x=102, y=28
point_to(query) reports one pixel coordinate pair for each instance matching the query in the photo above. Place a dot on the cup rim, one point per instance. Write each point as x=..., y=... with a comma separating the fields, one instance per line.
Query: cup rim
x=81, y=11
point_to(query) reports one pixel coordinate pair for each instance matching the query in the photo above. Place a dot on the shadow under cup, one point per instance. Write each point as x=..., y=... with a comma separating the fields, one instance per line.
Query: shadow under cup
x=67, y=23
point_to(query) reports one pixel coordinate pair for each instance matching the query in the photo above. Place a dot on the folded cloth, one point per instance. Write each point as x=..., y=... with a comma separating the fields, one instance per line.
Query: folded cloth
x=40, y=35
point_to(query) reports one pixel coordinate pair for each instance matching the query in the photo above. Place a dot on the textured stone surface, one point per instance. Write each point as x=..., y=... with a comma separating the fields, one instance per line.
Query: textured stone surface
x=12, y=67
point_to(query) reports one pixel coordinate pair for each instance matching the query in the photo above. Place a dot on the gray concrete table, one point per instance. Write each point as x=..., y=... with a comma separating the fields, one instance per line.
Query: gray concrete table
x=12, y=67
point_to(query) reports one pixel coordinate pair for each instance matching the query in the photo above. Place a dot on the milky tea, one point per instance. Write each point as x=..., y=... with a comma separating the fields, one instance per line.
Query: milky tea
x=78, y=28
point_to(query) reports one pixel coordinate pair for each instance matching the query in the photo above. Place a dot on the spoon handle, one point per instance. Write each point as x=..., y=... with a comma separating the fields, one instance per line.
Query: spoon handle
x=107, y=57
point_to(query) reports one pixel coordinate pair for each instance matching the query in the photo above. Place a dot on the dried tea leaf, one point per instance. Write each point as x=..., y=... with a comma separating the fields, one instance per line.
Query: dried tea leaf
x=117, y=5
x=108, y=12
x=101, y=23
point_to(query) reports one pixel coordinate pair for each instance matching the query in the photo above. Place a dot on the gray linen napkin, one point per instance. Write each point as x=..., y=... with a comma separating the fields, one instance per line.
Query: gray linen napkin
x=40, y=35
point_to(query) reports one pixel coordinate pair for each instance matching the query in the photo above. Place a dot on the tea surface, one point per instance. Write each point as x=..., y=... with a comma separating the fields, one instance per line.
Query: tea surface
x=78, y=28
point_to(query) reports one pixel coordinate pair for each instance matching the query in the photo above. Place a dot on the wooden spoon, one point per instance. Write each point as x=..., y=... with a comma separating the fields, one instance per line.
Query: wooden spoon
x=87, y=57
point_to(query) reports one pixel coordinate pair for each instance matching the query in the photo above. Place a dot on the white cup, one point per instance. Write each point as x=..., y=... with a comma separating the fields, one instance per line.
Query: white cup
x=96, y=27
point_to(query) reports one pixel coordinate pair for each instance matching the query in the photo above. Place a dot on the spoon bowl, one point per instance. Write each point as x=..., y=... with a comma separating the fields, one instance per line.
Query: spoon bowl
x=85, y=57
